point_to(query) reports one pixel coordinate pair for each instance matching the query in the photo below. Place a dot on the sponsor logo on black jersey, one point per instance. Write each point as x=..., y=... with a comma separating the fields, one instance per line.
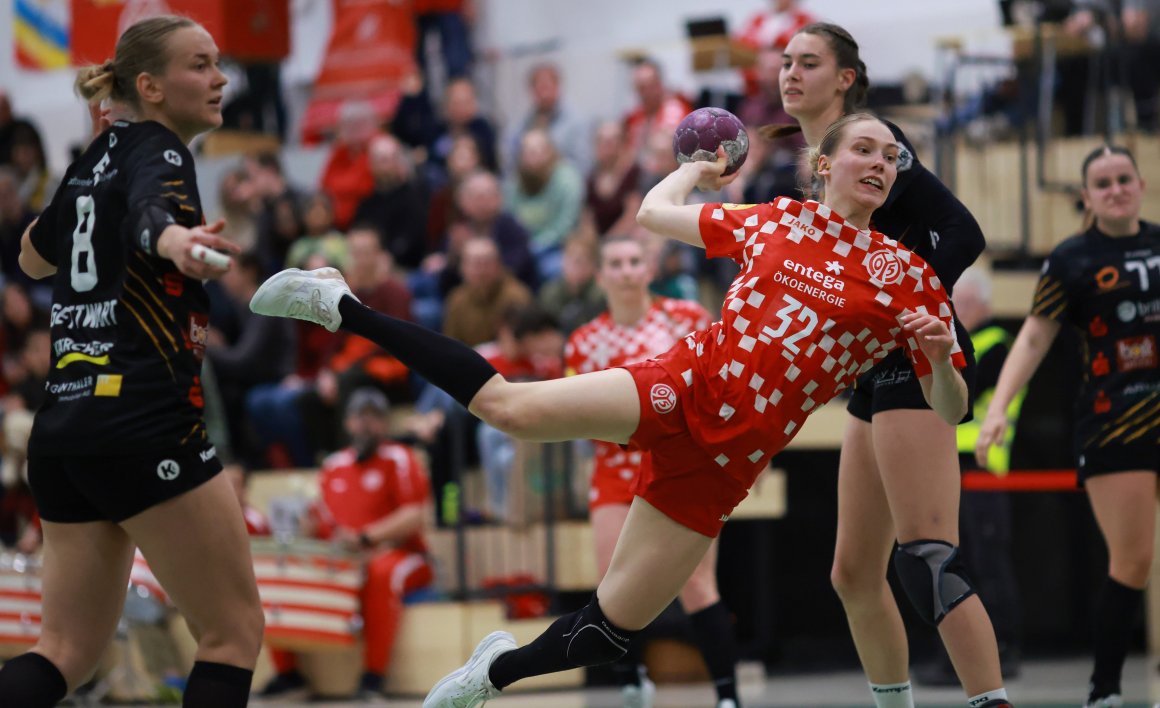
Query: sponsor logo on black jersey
x=1135, y=353
x=168, y=470
x=172, y=157
x=1108, y=277
x=207, y=455
x=905, y=159
x=1147, y=310
x=89, y=315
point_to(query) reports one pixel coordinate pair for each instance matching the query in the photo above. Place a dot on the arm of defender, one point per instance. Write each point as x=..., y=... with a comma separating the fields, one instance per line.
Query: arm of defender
x=31, y=262
x=1031, y=345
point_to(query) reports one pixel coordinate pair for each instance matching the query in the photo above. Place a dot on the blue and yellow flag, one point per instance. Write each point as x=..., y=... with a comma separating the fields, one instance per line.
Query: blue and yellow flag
x=40, y=33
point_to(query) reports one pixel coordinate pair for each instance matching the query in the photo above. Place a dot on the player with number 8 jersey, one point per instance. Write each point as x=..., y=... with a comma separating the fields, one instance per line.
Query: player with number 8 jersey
x=128, y=329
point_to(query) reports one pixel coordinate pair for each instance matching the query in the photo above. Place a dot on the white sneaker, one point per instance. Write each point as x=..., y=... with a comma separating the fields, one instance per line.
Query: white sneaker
x=1113, y=700
x=727, y=703
x=639, y=696
x=310, y=295
x=469, y=685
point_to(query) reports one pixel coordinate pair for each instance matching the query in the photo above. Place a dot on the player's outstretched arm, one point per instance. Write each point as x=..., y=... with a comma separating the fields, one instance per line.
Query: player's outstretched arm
x=197, y=252
x=944, y=388
x=31, y=262
x=663, y=209
x=1031, y=345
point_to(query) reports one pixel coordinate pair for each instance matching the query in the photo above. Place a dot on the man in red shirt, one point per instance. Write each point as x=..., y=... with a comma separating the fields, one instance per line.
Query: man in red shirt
x=374, y=497
x=660, y=110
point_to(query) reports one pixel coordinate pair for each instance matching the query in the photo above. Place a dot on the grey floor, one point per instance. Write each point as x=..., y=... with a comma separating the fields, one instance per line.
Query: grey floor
x=1042, y=684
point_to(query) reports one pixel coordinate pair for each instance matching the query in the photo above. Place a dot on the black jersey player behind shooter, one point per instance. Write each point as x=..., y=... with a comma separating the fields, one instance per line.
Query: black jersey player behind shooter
x=1100, y=282
x=893, y=440
x=119, y=455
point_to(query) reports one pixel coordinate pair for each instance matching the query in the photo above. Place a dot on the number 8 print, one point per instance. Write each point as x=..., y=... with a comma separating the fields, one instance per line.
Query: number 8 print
x=84, y=278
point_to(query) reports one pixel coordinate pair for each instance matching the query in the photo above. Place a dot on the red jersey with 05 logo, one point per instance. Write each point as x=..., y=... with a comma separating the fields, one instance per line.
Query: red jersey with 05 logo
x=602, y=344
x=816, y=303
x=358, y=493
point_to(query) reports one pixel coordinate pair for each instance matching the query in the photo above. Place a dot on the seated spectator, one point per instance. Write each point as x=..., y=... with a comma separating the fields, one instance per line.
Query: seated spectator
x=475, y=308
x=319, y=237
x=771, y=170
x=19, y=318
x=347, y=177
x=359, y=362
x=528, y=347
x=463, y=160
x=374, y=499
x=398, y=205
x=480, y=202
x=574, y=298
x=569, y=131
x=544, y=195
x=771, y=29
x=280, y=228
x=659, y=110
x=15, y=216
x=27, y=158
x=612, y=196
x=261, y=355
x=461, y=116
x=240, y=206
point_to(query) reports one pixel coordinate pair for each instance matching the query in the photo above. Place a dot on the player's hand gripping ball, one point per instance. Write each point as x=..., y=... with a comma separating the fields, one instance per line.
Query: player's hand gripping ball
x=703, y=130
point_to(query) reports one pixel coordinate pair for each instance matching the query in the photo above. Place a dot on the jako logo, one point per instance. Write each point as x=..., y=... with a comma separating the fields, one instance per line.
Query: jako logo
x=207, y=455
x=884, y=266
x=664, y=398
x=828, y=282
x=168, y=470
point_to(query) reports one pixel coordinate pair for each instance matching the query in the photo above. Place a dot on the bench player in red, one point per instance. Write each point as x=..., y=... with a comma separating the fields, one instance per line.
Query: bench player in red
x=819, y=298
x=637, y=326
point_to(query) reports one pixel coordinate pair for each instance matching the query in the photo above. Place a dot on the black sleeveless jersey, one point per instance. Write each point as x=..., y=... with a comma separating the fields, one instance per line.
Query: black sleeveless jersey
x=1109, y=289
x=922, y=214
x=128, y=329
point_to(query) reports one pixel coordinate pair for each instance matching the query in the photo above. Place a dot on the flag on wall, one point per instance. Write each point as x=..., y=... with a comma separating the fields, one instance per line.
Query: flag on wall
x=41, y=33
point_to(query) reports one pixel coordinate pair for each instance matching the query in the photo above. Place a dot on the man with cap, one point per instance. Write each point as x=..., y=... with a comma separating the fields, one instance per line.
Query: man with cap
x=374, y=498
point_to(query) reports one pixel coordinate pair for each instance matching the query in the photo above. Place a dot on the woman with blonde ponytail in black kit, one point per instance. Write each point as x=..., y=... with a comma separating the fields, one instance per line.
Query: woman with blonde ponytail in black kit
x=898, y=474
x=119, y=457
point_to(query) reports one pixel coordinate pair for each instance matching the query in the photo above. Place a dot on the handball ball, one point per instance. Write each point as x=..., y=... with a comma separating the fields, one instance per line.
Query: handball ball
x=700, y=132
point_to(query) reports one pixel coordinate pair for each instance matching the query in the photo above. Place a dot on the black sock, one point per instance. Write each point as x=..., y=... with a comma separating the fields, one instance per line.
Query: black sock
x=213, y=685
x=627, y=670
x=548, y=653
x=447, y=363
x=31, y=681
x=1115, y=616
x=713, y=632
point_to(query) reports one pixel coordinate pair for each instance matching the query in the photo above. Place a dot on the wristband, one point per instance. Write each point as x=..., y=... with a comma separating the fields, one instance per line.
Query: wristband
x=151, y=220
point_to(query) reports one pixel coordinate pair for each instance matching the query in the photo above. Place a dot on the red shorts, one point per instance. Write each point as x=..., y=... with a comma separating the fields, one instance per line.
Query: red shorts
x=685, y=481
x=615, y=475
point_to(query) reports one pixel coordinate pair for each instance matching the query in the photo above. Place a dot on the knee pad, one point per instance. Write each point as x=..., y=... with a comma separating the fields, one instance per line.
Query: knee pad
x=593, y=640
x=934, y=577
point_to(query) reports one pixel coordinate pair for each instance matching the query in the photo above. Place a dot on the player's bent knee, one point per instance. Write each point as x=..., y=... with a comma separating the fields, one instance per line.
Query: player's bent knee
x=934, y=577
x=593, y=640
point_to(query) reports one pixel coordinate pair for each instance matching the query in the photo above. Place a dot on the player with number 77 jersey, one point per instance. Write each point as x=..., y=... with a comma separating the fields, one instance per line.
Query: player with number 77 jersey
x=817, y=302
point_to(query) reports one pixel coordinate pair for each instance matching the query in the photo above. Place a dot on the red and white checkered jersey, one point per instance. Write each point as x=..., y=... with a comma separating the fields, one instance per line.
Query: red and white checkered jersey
x=602, y=344
x=815, y=304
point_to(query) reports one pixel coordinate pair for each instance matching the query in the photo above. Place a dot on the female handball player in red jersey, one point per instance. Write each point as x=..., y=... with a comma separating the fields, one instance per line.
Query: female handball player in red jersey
x=819, y=298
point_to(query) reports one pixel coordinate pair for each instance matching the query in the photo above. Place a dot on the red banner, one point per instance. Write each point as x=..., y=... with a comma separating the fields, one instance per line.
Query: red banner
x=371, y=49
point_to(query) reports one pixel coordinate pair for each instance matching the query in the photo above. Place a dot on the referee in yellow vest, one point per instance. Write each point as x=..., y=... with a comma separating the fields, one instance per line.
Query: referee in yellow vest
x=985, y=524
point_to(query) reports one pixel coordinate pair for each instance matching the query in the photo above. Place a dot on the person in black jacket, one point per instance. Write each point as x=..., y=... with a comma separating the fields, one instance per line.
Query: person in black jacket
x=892, y=437
x=119, y=456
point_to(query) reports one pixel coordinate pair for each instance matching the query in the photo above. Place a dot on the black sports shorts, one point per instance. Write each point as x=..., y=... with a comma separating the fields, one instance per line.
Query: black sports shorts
x=892, y=385
x=1111, y=458
x=77, y=489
